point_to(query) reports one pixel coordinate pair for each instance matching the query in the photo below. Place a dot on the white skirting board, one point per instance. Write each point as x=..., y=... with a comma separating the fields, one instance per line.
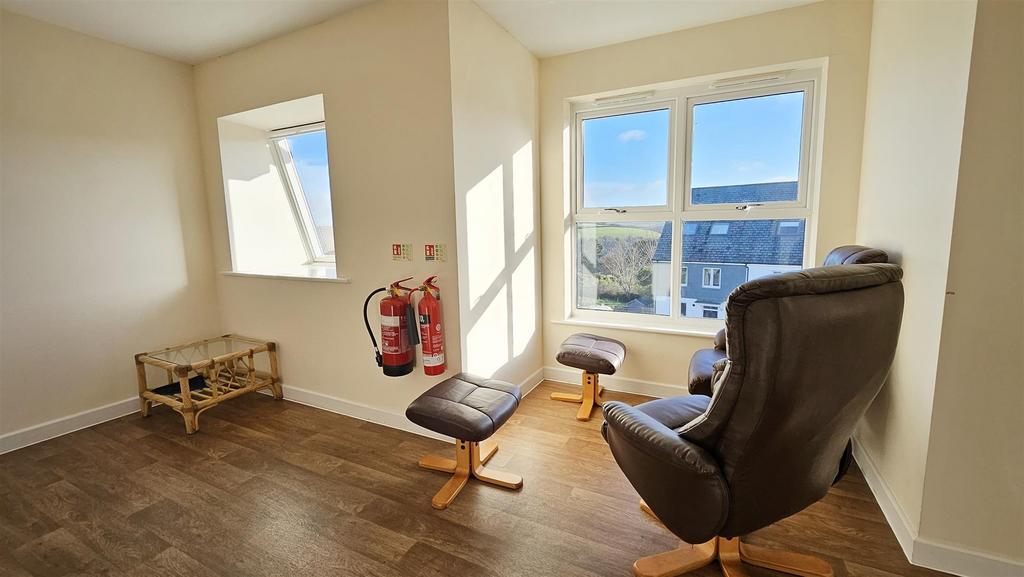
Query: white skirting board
x=38, y=433
x=925, y=552
x=621, y=384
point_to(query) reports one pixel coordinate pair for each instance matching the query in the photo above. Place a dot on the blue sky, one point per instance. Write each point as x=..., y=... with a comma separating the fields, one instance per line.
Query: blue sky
x=625, y=159
x=747, y=141
x=309, y=152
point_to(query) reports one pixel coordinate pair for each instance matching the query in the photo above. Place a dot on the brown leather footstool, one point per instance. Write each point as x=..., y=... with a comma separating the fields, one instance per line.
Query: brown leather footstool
x=470, y=409
x=595, y=355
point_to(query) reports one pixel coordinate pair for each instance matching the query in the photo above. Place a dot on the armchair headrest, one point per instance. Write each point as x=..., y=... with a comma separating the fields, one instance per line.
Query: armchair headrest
x=855, y=254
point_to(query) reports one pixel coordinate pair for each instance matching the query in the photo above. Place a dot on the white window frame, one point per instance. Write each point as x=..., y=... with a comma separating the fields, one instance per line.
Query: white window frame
x=680, y=99
x=281, y=153
x=704, y=283
x=683, y=278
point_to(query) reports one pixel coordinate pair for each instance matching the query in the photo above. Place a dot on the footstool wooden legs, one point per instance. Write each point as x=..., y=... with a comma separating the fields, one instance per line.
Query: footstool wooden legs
x=588, y=399
x=470, y=458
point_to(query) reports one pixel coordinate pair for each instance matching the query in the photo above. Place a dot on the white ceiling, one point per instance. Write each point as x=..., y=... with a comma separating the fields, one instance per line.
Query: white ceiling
x=185, y=30
x=196, y=30
x=551, y=27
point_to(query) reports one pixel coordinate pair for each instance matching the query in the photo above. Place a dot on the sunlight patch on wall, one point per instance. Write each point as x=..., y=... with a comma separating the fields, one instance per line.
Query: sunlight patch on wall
x=522, y=194
x=485, y=234
x=524, y=303
x=487, y=343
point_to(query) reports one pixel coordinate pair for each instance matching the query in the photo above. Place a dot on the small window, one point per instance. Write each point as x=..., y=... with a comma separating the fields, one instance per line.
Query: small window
x=690, y=228
x=712, y=277
x=683, y=276
x=790, y=227
x=710, y=312
x=625, y=160
x=302, y=158
x=277, y=189
x=720, y=228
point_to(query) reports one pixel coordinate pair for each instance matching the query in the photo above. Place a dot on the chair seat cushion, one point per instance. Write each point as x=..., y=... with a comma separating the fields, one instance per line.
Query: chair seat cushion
x=592, y=353
x=702, y=365
x=465, y=407
x=675, y=412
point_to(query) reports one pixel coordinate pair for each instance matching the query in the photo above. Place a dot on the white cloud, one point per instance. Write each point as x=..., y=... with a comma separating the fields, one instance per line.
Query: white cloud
x=747, y=165
x=631, y=135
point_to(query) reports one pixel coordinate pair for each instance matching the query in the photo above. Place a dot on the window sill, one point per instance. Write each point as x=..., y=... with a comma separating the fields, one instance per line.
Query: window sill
x=308, y=273
x=665, y=330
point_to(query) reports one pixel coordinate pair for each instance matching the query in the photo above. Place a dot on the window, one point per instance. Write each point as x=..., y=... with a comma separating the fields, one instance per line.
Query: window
x=302, y=160
x=712, y=278
x=625, y=160
x=614, y=264
x=277, y=190
x=692, y=176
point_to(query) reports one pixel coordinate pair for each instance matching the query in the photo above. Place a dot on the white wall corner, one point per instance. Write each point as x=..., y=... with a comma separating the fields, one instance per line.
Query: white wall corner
x=924, y=552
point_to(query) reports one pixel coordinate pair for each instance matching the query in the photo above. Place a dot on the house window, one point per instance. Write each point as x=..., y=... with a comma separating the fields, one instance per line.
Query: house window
x=713, y=176
x=712, y=278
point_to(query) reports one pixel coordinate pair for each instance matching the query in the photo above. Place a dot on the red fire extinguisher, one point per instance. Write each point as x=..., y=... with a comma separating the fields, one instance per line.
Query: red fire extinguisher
x=431, y=328
x=398, y=335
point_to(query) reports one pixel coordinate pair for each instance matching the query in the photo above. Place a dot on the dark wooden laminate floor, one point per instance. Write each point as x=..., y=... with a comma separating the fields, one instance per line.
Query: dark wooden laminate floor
x=280, y=489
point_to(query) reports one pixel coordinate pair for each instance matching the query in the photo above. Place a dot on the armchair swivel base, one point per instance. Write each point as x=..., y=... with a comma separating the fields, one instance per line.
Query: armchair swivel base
x=731, y=555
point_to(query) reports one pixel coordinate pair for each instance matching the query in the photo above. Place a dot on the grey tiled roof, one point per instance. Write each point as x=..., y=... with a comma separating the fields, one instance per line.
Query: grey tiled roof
x=746, y=193
x=747, y=242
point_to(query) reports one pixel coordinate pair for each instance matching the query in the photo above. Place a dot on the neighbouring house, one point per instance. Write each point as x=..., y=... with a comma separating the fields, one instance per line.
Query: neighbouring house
x=719, y=255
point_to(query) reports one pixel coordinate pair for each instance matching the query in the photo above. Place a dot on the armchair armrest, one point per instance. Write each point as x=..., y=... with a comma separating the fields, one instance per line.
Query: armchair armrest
x=665, y=469
x=720, y=340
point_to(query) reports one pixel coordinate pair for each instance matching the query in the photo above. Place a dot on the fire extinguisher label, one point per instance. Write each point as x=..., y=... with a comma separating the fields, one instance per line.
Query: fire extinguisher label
x=433, y=360
x=390, y=321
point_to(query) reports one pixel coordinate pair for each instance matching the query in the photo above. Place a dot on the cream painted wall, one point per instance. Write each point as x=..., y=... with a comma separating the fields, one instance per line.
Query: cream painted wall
x=384, y=73
x=839, y=31
x=105, y=232
x=265, y=237
x=974, y=481
x=917, y=90
x=494, y=114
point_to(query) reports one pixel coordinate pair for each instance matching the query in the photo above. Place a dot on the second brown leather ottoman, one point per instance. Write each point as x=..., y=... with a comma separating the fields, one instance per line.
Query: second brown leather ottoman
x=595, y=355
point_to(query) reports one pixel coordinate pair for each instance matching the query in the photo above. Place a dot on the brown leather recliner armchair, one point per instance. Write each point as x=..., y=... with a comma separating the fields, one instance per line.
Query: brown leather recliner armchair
x=808, y=352
x=702, y=363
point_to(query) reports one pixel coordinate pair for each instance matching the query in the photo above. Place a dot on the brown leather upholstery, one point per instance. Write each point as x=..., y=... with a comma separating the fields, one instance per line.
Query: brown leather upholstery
x=702, y=365
x=592, y=353
x=699, y=381
x=855, y=254
x=808, y=352
x=465, y=407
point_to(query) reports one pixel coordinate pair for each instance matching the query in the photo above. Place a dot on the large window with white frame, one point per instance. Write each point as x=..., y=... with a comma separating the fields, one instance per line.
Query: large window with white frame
x=711, y=178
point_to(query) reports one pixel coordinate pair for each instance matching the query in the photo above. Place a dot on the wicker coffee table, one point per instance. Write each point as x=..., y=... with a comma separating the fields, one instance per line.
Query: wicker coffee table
x=202, y=374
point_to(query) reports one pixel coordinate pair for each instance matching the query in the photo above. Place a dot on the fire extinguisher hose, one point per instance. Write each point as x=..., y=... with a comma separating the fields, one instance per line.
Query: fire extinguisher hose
x=369, y=331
